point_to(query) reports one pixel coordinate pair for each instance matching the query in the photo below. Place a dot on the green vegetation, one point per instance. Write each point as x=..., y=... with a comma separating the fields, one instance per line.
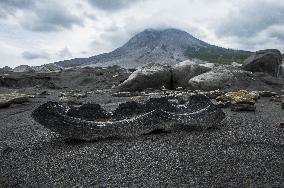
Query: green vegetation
x=215, y=54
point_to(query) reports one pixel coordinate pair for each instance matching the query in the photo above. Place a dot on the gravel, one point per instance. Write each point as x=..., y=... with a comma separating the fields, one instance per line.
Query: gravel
x=246, y=151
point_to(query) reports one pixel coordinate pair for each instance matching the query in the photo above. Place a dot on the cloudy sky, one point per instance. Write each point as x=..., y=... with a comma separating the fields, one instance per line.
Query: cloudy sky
x=35, y=32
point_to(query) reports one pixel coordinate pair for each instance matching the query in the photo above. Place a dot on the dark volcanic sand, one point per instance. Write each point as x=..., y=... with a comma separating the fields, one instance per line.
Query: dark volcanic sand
x=248, y=150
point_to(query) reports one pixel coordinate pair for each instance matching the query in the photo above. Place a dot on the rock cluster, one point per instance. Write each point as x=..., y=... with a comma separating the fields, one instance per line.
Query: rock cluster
x=189, y=75
x=6, y=69
x=155, y=76
x=43, y=68
x=261, y=70
x=23, y=68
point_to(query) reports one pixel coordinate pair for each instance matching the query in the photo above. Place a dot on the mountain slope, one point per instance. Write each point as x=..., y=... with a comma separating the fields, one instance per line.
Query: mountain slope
x=168, y=46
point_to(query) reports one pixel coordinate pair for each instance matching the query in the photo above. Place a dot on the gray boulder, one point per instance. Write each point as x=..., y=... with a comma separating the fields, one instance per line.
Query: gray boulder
x=8, y=99
x=150, y=76
x=184, y=71
x=268, y=61
x=221, y=77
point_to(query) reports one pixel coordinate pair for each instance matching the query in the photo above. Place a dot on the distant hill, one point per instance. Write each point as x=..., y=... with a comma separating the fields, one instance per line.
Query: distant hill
x=215, y=54
x=168, y=46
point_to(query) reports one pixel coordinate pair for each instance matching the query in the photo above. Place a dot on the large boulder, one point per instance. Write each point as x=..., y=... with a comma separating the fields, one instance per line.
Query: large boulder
x=150, y=76
x=184, y=71
x=272, y=81
x=268, y=61
x=221, y=77
x=8, y=99
x=282, y=68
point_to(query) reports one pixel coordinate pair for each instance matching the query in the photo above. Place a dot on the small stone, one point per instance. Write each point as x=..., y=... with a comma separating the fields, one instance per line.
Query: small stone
x=122, y=94
x=222, y=104
x=282, y=124
x=77, y=94
x=179, y=88
x=80, y=95
x=163, y=88
x=267, y=93
x=282, y=105
x=44, y=93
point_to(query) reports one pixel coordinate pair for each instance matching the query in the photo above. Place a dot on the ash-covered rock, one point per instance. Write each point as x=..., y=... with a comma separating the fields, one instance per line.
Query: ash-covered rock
x=268, y=61
x=90, y=121
x=15, y=98
x=184, y=71
x=150, y=76
x=221, y=77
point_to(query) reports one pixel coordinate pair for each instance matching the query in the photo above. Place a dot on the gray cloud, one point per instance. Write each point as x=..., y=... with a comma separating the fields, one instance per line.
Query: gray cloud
x=90, y=16
x=62, y=54
x=35, y=55
x=40, y=16
x=9, y=7
x=53, y=19
x=279, y=36
x=251, y=18
x=111, y=5
x=17, y=3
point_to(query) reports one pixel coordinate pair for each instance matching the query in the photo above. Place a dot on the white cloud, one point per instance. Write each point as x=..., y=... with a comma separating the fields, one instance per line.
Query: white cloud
x=76, y=28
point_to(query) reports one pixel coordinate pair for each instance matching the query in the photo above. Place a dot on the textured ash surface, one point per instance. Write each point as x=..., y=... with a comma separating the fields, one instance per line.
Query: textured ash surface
x=246, y=151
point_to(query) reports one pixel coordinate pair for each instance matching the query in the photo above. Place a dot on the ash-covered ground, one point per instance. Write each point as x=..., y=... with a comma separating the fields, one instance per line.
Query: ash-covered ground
x=247, y=150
